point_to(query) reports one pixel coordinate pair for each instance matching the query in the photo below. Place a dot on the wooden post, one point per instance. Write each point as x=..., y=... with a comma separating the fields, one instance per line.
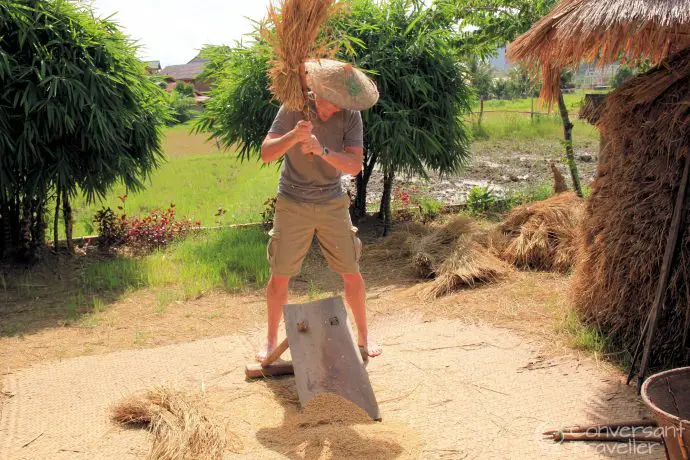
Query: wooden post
x=531, y=112
x=568, y=135
x=671, y=244
x=481, y=109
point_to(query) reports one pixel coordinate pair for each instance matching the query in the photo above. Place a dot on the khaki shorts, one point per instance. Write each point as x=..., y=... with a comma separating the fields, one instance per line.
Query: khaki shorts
x=294, y=227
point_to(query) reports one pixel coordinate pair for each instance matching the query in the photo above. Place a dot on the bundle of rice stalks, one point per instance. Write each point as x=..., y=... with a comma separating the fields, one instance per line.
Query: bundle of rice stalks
x=178, y=422
x=541, y=235
x=646, y=124
x=467, y=265
x=453, y=256
x=295, y=38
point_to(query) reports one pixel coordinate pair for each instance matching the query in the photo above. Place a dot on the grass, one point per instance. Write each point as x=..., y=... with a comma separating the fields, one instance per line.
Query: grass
x=519, y=127
x=204, y=183
x=580, y=336
x=228, y=259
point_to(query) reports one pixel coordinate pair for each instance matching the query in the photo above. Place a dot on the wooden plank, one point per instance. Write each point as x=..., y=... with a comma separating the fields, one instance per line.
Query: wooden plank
x=275, y=354
x=276, y=369
x=325, y=355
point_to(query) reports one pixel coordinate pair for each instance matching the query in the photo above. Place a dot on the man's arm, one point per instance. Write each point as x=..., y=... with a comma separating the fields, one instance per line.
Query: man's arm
x=275, y=145
x=349, y=161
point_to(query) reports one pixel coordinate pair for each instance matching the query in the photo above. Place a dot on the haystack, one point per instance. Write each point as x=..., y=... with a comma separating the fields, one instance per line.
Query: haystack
x=541, y=235
x=452, y=256
x=179, y=423
x=602, y=31
x=647, y=125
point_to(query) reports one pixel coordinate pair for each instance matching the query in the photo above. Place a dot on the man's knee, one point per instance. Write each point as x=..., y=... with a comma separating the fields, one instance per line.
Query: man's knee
x=353, y=280
x=278, y=284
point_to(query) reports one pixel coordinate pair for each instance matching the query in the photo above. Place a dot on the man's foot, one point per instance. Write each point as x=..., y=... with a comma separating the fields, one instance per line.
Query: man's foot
x=372, y=349
x=267, y=350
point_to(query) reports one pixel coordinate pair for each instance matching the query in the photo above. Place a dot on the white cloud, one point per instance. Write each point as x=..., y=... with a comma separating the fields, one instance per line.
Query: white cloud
x=172, y=31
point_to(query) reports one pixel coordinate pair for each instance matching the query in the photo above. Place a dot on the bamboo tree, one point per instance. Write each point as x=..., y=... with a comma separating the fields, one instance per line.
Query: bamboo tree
x=77, y=111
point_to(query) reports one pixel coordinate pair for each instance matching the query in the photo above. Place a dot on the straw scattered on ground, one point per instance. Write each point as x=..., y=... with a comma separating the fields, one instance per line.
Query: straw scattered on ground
x=541, y=235
x=179, y=423
x=452, y=255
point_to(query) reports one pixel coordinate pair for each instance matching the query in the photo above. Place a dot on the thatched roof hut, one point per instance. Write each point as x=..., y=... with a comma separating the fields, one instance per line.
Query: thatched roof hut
x=624, y=234
x=602, y=31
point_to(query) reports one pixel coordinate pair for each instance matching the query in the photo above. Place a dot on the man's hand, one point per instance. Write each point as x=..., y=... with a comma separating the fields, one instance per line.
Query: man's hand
x=312, y=147
x=302, y=132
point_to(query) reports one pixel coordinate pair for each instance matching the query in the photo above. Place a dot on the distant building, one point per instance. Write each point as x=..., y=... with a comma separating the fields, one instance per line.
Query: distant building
x=188, y=73
x=153, y=67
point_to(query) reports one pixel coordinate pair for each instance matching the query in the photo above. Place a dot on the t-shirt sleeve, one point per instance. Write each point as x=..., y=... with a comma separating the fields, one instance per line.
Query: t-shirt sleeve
x=354, y=131
x=284, y=122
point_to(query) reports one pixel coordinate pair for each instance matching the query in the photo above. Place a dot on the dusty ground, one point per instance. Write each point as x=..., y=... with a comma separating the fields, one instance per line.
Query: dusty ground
x=479, y=374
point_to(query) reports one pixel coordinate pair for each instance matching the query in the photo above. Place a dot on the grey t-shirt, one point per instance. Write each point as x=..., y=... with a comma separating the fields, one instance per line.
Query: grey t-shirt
x=309, y=178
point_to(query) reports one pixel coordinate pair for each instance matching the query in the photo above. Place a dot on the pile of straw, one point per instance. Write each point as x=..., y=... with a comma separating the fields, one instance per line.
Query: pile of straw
x=297, y=36
x=647, y=125
x=453, y=256
x=541, y=235
x=179, y=425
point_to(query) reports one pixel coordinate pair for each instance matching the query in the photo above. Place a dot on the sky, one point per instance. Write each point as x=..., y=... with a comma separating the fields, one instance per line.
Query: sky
x=173, y=31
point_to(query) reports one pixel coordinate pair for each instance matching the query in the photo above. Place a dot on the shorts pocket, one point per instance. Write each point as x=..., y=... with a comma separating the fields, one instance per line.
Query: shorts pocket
x=272, y=247
x=357, y=243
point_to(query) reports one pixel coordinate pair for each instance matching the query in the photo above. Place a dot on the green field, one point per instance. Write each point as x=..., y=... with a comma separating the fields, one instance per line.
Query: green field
x=199, y=179
x=529, y=133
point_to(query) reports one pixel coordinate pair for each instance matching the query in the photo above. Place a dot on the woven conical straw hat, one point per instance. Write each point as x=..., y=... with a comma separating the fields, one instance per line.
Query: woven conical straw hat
x=341, y=84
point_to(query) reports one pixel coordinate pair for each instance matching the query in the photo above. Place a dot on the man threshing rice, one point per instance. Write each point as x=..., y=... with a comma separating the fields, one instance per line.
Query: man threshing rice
x=311, y=199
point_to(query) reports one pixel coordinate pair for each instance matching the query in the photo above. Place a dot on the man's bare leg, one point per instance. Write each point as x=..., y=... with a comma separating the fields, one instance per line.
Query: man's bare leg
x=355, y=294
x=277, y=296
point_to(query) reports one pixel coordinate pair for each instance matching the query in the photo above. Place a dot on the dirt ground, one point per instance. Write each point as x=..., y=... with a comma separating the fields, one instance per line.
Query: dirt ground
x=479, y=374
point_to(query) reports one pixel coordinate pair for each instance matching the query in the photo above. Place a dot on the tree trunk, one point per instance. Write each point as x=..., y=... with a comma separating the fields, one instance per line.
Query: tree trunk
x=56, y=221
x=25, y=229
x=569, y=153
x=362, y=182
x=481, y=109
x=67, y=216
x=38, y=231
x=5, y=230
x=386, y=213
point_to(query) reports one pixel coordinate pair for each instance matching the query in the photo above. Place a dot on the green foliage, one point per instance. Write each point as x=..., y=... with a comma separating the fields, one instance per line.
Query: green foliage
x=269, y=213
x=481, y=200
x=623, y=74
x=481, y=75
x=181, y=108
x=184, y=89
x=76, y=108
x=77, y=111
x=417, y=124
x=241, y=109
x=527, y=195
x=491, y=24
x=428, y=208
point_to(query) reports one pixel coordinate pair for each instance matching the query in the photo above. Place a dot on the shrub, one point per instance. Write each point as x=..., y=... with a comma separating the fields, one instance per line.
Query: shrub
x=181, y=108
x=158, y=229
x=481, y=200
x=269, y=213
x=143, y=234
x=112, y=229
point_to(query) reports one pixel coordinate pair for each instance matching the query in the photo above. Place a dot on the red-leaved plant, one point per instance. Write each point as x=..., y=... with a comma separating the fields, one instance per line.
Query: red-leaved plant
x=154, y=231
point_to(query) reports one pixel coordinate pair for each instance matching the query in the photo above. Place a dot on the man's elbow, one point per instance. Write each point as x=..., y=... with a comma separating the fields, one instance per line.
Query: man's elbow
x=264, y=155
